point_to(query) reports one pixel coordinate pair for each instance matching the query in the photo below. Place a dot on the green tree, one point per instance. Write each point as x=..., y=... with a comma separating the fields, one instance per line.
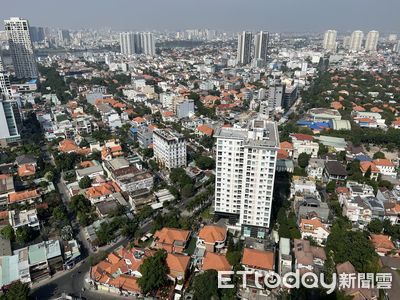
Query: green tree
x=303, y=160
x=205, y=162
x=85, y=182
x=24, y=234
x=187, y=190
x=343, y=245
x=205, y=286
x=378, y=154
x=79, y=203
x=322, y=150
x=179, y=177
x=375, y=226
x=17, y=291
x=8, y=232
x=368, y=173
x=331, y=186
x=154, y=272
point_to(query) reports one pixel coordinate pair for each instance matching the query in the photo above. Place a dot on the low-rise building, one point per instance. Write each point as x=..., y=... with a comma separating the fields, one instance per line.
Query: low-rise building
x=178, y=265
x=315, y=229
x=308, y=258
x=304, y=143
x=285, y=256
x=22, y=218
x=212, y=238
x=171, y=239
x=334, y=170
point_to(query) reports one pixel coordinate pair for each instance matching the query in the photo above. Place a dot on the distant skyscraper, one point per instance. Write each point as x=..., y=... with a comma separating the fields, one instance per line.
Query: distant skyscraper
x=137, y=38
x=244, y=180
x=37, y=34
x=64, y=36
x=371, y=43
x=329, y=43
x=148, y=44
x=356, y=40
x=21, y=48
x=127, y=43
x=398, y=47
x=244, y=48
x=346, y=42
x=261, y=45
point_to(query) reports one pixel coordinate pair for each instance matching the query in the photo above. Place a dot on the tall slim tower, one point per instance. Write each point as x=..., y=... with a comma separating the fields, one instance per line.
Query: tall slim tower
x=261, y=45
x=244, y=48
x=21, y=48
x=356, y=41
x=148, y=44
x=245, y=172
x=137, y=37
x=371, y=43
x=127, y=43
x=329, y=43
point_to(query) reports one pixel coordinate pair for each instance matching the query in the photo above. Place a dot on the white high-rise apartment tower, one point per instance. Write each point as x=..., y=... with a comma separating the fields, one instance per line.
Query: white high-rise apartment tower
x=371, y=43
x=127, y=43
x=261, y=45
x=21, y=49
x=244, y=48
x=245, y=173
x=329, y=43
x=148, y=44
x=356, y=41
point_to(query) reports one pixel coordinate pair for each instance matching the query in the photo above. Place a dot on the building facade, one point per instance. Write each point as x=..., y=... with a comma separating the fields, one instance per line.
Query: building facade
x=246, y=162
x=261, y=45
x=21, y=48
x=244, y=48
x=329, y=43
x=356, y=40
x=371, y=43
x=169, y=148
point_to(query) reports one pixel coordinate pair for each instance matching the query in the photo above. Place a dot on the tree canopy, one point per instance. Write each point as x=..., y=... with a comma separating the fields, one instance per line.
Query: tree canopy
x=154, y=272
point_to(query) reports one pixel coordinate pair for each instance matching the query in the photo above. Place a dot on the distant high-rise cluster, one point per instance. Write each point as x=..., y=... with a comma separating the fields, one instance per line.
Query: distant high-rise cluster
x=37, y=34
x=21, y=48
x=64, y=36
x=329, y=43
x=137, y=43
x=245, y=46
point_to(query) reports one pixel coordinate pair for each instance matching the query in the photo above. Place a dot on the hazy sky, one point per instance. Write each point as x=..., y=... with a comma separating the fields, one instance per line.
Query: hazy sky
x=232, y=15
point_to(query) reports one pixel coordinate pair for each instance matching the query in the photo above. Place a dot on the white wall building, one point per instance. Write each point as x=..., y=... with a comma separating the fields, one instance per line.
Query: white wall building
x=261, y=45
x=371, y=43
x=356, y=40
x=329, y=42
x=244, y=48
x=127, y=43
x=169, y=148
x=246, y=162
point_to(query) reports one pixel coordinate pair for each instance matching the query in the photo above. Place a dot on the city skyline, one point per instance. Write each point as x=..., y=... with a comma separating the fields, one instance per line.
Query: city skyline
x=306, y=16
